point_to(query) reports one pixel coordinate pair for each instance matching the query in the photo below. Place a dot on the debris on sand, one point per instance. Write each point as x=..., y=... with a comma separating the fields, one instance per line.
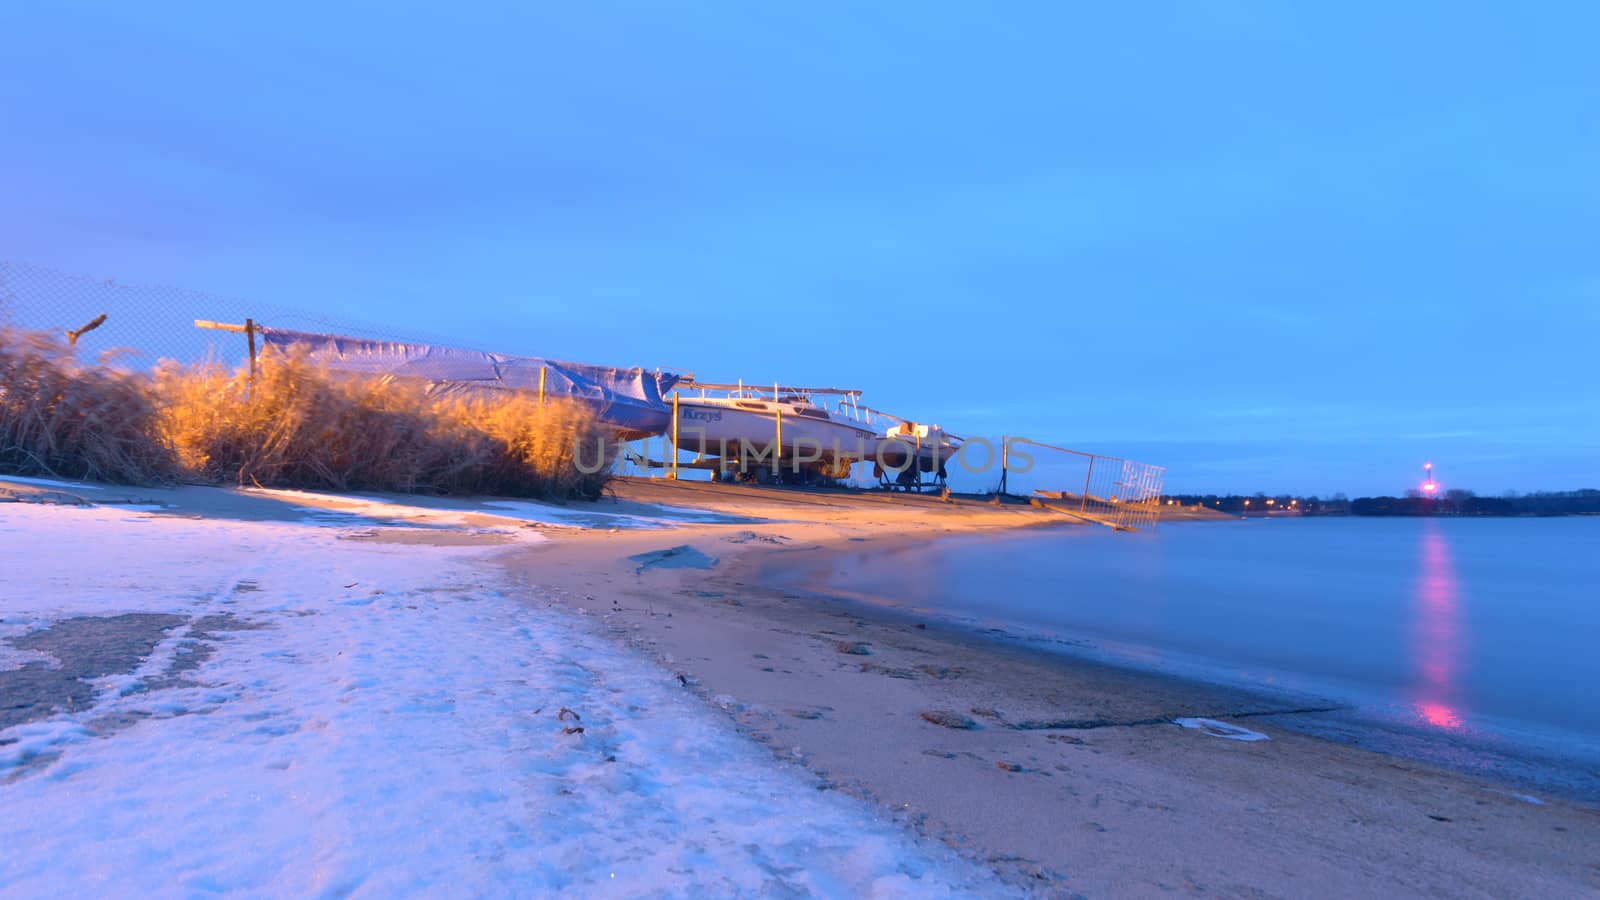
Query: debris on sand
x=946, y=719
x=1222, y=729
x=682, y=556
x=722, y=597
x=745, y=537
x=891, y=671
x=854, y=648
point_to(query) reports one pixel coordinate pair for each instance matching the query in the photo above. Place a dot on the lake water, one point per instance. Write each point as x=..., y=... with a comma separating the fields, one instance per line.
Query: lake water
x=1457, y=628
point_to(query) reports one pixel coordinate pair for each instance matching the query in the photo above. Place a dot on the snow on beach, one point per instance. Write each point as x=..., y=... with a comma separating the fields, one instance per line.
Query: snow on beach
x=321, y=715
x=344, y=509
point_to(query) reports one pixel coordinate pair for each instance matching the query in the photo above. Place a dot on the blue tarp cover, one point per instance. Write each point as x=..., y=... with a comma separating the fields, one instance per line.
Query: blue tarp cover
x=632, y=401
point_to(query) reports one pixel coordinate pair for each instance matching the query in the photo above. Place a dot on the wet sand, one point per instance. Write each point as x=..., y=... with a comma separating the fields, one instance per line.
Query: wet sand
x=1064, y=774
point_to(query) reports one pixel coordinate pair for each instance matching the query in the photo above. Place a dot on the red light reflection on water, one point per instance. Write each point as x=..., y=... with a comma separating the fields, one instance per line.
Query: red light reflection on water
x=1439, y=714
x=1435, y=644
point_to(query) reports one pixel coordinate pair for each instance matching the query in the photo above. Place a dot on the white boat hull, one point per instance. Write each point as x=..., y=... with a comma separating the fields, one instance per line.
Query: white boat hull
x=894, y=453
x=753, y=435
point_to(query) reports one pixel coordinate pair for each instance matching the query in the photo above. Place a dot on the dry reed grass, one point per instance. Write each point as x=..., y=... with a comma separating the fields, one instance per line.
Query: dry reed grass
x=297, y=426
x=534, y=445
x=62, y=419
x=303, y=426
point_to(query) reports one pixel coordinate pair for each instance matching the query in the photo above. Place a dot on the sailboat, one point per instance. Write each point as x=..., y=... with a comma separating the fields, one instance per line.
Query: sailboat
x=777, y=433
x=906, y=450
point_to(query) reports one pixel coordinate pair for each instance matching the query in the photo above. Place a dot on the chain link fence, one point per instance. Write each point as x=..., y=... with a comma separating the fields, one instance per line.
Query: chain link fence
x=1121, y=493
x=136, y=326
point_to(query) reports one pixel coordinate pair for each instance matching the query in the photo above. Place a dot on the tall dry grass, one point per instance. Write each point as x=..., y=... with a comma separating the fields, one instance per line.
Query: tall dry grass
x=60, y=418
x=297, y=426
x=535, y=447
x=303, y=426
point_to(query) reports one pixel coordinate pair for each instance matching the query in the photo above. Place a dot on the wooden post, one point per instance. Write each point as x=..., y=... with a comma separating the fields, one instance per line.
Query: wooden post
x=1005, y=447
x=248, y=329
x=674, y=435
x=777, y=468
x=72, y=336
x=541, y=391
x=250, y=338
x=916, y=463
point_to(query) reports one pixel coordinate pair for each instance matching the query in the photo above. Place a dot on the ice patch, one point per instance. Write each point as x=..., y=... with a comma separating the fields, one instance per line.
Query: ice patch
x=51, y=483
x=593, y=518
x=1525, y=798
x=12, y=659
x=351, y=509
x=682, y=556
x=1222, y=729
x=354, y=509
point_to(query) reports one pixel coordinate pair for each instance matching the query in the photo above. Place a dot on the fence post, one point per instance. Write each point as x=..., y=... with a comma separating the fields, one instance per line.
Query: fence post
x=777, y=467
x=1083, y=502
x=916, y=465
x=1005, y=449
x=72, y=336
x=675, y=436
x=541, y=387
x=250, y=338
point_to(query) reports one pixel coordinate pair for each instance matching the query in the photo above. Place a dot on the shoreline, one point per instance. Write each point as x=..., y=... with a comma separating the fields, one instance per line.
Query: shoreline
x=1059, y=770
x=1532, y=756
x=1537, y=758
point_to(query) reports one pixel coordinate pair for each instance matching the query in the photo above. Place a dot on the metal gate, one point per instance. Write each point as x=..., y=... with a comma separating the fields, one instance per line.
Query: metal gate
x=1121, y=493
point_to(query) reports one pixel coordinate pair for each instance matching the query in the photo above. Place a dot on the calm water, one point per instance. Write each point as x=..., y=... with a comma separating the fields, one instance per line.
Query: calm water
x=1457, y=627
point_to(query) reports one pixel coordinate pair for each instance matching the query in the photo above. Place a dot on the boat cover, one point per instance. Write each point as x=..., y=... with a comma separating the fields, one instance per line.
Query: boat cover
x=632, y=401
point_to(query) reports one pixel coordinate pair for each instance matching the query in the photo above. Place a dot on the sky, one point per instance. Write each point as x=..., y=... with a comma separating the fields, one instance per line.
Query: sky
x=1268, y=246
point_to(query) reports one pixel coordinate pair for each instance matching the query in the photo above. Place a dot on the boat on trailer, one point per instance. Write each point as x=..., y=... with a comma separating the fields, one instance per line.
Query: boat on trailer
x=778, y=433
x=908, y=450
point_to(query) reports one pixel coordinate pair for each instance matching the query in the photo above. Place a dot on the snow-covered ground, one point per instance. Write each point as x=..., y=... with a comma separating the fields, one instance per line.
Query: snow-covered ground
x=384, y=719
x=343, y=508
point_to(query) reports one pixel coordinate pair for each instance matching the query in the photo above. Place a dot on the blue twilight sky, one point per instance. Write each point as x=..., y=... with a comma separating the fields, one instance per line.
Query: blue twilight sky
x=1268, y=245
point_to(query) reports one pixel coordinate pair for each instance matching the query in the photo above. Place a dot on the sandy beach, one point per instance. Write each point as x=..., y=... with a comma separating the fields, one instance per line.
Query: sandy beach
x=1054, y=773
x=1061, y=773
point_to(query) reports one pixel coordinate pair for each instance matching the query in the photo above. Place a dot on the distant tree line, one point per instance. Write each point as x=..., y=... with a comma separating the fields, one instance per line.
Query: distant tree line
x=1554, y=503
x=1452, y=503
x=1245, y=504
x=1463, y=504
